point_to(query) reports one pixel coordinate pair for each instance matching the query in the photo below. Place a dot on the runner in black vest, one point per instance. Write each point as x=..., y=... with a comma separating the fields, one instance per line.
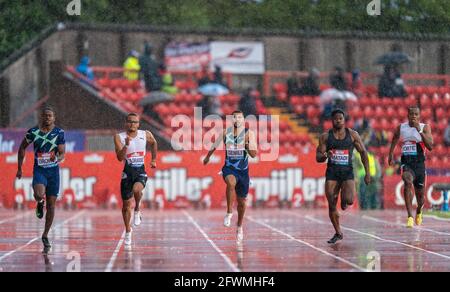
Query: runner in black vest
x=337, y=146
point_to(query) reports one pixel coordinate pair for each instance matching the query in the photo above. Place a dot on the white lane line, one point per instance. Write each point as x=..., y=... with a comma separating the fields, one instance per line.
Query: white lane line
x=113, y=258
x=233, y=267
x=421, y=228
x=312, y=219
x=17, y=217
x=437, y=218
x=37, y=238
x=307, y=244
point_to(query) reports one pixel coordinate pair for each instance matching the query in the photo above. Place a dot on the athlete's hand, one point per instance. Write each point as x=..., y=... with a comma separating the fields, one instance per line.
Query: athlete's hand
x=127, y=141
x=367, y=179
x=19, y=173
x=153, y=164
x=206, y=160
x=329, y=154
x=391, y=160
x=417, y=126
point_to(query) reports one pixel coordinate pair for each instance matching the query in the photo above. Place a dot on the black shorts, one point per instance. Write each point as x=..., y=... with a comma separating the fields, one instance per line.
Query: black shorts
x=130, y=176
x=418, y=170
x=339, y=174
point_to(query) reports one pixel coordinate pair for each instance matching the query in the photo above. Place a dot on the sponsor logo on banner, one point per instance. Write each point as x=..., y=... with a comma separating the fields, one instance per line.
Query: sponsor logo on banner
x=93, y=179
x=238, y=57
x=187, y=56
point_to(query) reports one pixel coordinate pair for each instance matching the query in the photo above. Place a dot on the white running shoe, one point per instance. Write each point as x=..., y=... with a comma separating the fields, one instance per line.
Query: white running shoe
x=137, y=218
x=240, y=234
x=227, y=219
x=128, y=238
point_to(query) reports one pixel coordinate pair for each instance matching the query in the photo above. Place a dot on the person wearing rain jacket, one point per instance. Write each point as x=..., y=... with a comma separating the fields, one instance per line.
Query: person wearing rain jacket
x=132, y=66
x=84, y=69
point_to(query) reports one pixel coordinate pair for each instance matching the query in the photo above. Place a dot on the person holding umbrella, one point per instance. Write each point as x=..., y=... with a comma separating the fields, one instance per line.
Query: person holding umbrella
x=391, y=83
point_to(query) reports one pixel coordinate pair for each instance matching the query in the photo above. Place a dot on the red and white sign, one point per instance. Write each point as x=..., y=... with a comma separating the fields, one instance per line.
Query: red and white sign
x=393, y=192
x=93, y=179
x=238, y=57
x=187, y=56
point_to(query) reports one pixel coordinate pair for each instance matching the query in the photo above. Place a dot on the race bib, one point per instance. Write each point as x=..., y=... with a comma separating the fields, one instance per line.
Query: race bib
x=136, y=158
x=409, y=149
x=340, y=157
x=235, y=151
x=46, y=159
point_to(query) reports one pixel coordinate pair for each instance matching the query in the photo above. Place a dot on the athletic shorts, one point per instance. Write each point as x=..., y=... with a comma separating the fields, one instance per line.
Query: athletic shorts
x=418, y=170
x=131, y=176
x=242, y=180
x=49, y=177
x=339, y=174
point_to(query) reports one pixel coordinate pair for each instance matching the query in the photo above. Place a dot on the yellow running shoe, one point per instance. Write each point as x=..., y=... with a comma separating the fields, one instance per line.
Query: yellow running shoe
x=419, y=219
x=410, y=223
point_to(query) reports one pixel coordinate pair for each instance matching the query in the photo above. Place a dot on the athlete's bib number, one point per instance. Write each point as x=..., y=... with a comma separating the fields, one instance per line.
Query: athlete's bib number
x=136, y=159
x=409, y=149
x=235, y=151
x=45, y=159
x=340, y=157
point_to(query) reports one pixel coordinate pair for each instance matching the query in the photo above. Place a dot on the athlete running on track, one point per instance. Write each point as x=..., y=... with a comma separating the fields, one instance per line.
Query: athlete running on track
x=131, y=147
x=415, y=137
x=337, y=145
x=49, y=150
x=240, y=143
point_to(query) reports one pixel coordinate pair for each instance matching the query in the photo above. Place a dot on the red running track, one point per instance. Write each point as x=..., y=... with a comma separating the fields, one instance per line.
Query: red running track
x=196, y=241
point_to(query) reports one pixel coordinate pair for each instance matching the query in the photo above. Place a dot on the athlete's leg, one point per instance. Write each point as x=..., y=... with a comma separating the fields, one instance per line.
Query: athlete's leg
x=347, y=193
x=39, y=192
x=50, y=215
x=408, y=179
x=137, y=193
x=332, y=189
x=231, y=182
x=126, y=214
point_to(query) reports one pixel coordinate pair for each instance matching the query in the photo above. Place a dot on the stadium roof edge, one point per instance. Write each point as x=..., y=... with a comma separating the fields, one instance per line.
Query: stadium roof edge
x=111, y=27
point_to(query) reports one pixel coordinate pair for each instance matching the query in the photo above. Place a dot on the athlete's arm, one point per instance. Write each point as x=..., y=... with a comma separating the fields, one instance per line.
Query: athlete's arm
x=251, y=145
x=427, y=137
x=121, y=150
x=61, y=153
x=321, y=152
x=359, y=145
x=153, y=146
x=394, y=142
x=213, y=148
x=21, y=156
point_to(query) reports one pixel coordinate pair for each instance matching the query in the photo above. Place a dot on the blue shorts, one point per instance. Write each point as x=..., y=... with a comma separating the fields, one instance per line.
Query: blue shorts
x=242, y=180
x=49, y=177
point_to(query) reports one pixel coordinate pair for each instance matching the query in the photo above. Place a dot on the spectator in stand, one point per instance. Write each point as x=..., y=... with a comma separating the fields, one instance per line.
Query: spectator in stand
x=149, y=70
x=311, y=84
x=292, y=85
x=247, y=104
x=447, y=135
x=391, y=83
x=337, y=79
x=167, y=80
x=210, y=106
x=131, y=66
x=84, y=69
x=369, y=196
x=218, y=76
x=357, y=86
x=204, y=77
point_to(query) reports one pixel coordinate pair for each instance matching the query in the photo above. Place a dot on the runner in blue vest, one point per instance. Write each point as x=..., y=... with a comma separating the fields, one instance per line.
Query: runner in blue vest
x=49, y=150
x=240, y=143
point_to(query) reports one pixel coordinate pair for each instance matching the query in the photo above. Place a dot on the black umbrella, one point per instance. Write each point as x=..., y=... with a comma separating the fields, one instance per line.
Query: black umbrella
x=393, y=58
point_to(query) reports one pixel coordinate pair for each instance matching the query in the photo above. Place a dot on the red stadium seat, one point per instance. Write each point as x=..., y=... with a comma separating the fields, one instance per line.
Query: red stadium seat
x=280, y=87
